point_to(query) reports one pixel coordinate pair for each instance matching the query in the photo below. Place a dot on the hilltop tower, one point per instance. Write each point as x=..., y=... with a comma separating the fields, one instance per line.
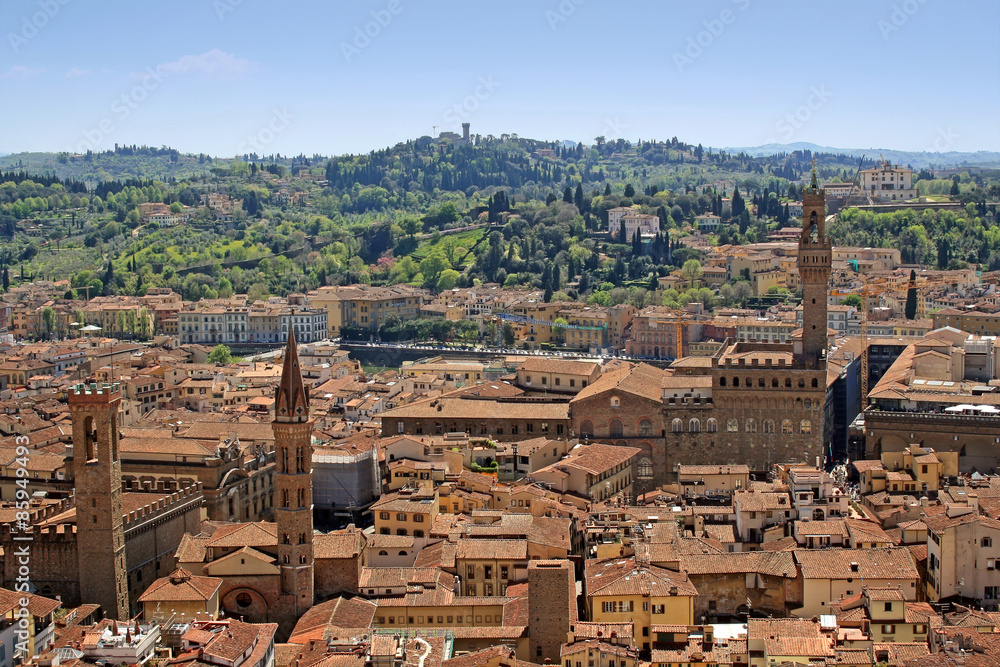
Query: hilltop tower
x=97, y=475
x=293, y=499
x=815, y=257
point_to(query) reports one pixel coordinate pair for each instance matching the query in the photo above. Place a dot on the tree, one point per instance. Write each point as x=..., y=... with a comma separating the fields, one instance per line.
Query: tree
x=220, y=354
x=852, y=300
x=911, y=297
x=432, y=266
x=692, y=271
x=559, y=327
x=49, y=320
x=629, y=190
x=176, y=208
x=954, y=186
x=447, y=279
x=6, y=279
x=508, y=334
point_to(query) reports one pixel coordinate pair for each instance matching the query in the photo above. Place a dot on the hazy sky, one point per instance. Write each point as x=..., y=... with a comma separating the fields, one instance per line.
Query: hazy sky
x=232, y=76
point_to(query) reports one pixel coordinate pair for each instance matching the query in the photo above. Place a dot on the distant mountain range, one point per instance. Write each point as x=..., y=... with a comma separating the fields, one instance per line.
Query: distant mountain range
x=916, y=159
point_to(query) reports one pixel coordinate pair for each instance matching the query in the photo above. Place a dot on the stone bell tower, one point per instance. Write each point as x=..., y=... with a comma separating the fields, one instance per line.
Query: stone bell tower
x=293, y=500
x=815, y=257
x=97, y=476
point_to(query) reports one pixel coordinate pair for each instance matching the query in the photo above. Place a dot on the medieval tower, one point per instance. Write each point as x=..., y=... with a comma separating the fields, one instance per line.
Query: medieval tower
x=97, y=474
x=815, y=256
x=293, y=500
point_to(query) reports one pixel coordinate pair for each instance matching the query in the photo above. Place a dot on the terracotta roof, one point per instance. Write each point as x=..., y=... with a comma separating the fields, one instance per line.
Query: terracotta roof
x=771, y=563
x=888, y=563
x=640, y=380
x=618, y=577
x=181, y=585
x=485, y=549
x=339, y=544
x=468, y=408
x=340, y=612
x=252, y=534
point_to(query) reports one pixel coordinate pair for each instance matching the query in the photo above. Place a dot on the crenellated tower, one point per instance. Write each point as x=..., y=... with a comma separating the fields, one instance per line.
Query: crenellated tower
x=293, y=499
x=815, y=257
x=97, y=476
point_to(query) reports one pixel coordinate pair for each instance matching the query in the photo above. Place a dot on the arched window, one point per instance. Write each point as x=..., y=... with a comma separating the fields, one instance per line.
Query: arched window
x=616, y=428
x=587, y=428
x=645, y=428
x=732, y=426
x=786, y=425
x=244, y=600
x=403, y=553
x=383, y=552
x=807, y=404
x=676, y=426
x=805, y=426
x=712, y=426
x=802, y=383
x=768, y=426
x=760, y=382
x=722, y=382
x=751, y=426
x=749, y=383
x=815, y=382
x=644, y=470
x=788, y=383
x=615, y=402
x=736, y=382
x=774, y=382
x=694, y=426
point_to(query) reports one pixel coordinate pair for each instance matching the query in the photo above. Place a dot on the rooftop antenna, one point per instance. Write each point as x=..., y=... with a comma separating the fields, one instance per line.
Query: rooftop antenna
x=434, y=129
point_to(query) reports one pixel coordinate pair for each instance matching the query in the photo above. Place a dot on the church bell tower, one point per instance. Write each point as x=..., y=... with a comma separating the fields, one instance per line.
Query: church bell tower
x=97, y=480
x=293, y=500
x=815, y=257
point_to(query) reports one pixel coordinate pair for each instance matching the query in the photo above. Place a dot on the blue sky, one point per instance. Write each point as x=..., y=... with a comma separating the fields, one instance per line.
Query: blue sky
x=228, y=76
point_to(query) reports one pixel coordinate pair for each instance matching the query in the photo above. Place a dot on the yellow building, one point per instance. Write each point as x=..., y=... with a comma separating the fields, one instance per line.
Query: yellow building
x=366, y=307
x=714, y=480
x=620, y=590
x=438, y=607
x=406, y=512
x=407, y=472
x=487, y=566
x=832, y=574
x=181, y=593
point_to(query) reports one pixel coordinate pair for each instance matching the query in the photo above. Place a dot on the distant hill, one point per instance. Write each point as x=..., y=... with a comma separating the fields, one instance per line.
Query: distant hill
x=916, y=159
x=99, y=167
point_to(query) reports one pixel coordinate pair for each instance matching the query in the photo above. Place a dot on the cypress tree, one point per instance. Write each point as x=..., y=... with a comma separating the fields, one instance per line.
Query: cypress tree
x=911, y=297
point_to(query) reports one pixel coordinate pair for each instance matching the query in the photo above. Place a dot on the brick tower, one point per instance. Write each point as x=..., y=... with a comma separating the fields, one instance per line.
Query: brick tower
x=815, y=256
x=551, y=608
x=97, y=475
x=293, y=500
